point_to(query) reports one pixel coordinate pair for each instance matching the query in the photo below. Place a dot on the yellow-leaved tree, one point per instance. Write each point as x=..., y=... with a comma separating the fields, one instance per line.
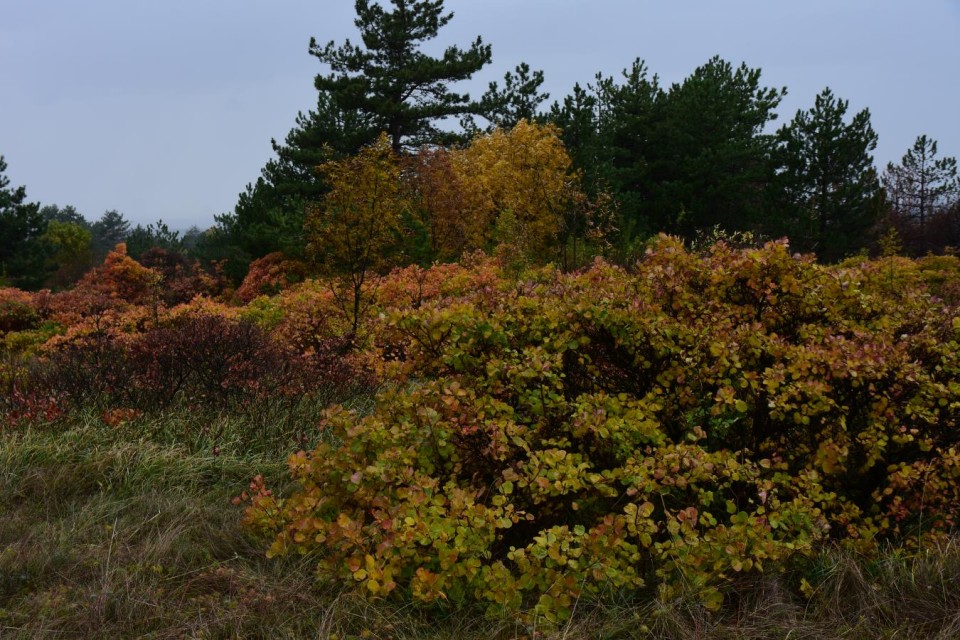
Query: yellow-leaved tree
x=354, y=233
x=520, y=175
x=521, y=190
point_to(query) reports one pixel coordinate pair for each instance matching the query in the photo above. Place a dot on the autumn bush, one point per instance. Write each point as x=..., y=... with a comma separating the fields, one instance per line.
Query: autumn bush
x=182, y=278
x=193, y=358
x=17, y=311
x=941, y=275
x=678, y=427
x=269, y=275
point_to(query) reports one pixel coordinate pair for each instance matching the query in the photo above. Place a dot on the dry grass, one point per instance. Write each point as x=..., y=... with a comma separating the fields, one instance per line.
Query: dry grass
x=129, y=532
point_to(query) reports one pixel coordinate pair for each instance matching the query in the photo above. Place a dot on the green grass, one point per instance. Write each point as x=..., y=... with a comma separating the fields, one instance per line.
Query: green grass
x=129, y=532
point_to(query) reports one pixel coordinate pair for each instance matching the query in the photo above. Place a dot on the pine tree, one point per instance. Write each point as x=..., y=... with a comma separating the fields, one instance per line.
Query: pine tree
x=141, y=239
x=321, y=135
x=403, y=90
x=829, y=187
x=678, y=159
x=710, y=159
x=109, y=231
x=69, y=213
x=922, y=185
x=23, y=255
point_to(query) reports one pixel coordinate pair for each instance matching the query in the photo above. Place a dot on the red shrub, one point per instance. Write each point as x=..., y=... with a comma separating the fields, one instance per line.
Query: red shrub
x=270, y=275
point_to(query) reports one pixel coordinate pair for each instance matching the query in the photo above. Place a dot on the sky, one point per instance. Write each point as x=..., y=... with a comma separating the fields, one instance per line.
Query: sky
x=165, y=110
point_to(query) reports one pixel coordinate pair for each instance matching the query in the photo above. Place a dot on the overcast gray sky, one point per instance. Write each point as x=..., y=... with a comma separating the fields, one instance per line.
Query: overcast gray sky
x=166, y=109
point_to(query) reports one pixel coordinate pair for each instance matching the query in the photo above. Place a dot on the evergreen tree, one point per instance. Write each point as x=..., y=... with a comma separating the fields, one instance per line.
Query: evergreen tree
x=710, y=161
x=141, y=239
x=318, y=136
x=576, y=118
x=403, y=90
x=922, y=185
x=627, y=119
x=23, y=254
x=69, y=213
x=583, y=119
x=110, y=230
x=680, y=159
x=828, y=187
x=191, y=238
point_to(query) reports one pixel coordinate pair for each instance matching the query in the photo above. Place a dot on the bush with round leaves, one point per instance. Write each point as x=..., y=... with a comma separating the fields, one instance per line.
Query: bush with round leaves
x=683, y=425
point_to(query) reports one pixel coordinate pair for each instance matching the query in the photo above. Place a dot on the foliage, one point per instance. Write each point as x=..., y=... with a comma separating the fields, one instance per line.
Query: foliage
x=667, y=438
x=70, y=252
x=390, y=80
x=445, y=204
x=680, y=428
x=181, y=278
x=18, y=311
x=122, y=278
x=194, y=358
x=524, y=174
x=442, y=200
x=523, y=171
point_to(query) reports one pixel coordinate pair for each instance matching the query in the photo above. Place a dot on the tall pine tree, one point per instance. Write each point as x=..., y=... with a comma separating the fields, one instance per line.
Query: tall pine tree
x=710, y=159
x=403, y=90
x=386, y=84
x=829, y=190
x=110, y=230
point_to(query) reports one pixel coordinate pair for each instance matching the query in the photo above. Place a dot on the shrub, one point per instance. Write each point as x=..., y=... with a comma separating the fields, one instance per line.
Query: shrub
x=182, y=278
x=17, y=311
x=269, y=275
x=189, y=357
x=681, y=427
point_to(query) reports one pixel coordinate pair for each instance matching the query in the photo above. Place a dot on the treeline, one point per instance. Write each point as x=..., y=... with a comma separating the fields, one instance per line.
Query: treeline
x=684, y=159
x=687, y=159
